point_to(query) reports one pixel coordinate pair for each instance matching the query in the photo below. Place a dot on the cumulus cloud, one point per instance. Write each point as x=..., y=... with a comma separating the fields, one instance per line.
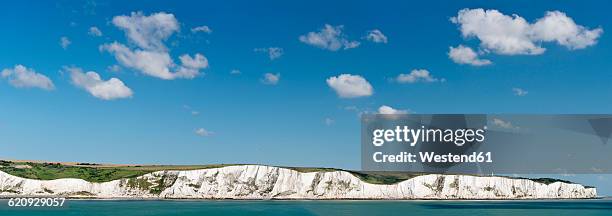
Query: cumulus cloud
x=271, y=79
x=151, y=56
x=519, y=91
x=350, y=86
x=147, y=32
x=65, y=42
x=92, y=82
x=190, y=66
x=203, y=132
x=204, y=29
x=23, y=77
x=330, y=38
x=384, y=109
x=465, y=55
x=153, y=63
x=417, y=75
x=376, y=36
x=513, y=35
x=94, y=31
x=273, y=52
x=503, y=124
x=235, y=72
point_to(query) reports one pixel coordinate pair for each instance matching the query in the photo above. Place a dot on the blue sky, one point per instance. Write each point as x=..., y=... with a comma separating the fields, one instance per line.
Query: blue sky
x=297, y=118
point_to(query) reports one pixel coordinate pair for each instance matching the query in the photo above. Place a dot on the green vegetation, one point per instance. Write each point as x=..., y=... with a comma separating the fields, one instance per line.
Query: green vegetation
x=93, y=172
x=384, y=177
x=139, y=183
x=49, y=171
x=369, y=177
x=312, y=169
x=164, y=182
x=548, y=181
x=86, y=171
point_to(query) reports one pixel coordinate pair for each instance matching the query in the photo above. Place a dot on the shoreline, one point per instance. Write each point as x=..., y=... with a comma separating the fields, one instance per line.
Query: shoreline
x=193, y=199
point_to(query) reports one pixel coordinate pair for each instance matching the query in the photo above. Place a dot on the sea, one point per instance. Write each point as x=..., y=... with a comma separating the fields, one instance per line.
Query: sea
x=595, y=207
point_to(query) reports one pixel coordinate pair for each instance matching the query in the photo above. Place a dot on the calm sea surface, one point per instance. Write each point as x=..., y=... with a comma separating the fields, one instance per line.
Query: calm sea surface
x=198, y=207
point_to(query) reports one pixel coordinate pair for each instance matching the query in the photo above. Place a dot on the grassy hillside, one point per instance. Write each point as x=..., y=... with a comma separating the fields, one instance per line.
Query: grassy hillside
x=88, y=172
x=103, y=173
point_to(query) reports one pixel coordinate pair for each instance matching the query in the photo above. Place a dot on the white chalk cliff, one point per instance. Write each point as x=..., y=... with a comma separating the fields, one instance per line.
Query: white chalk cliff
x=267, y=182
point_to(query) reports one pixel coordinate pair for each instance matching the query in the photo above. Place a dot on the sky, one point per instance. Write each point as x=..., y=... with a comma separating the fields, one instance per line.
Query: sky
x=277, y=82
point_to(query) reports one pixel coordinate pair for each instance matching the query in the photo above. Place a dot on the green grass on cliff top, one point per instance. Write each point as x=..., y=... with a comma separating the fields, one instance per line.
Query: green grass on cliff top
x=103, y=173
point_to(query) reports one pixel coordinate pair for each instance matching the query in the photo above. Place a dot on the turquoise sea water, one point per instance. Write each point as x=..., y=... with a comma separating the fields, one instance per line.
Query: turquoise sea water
x=198, y=207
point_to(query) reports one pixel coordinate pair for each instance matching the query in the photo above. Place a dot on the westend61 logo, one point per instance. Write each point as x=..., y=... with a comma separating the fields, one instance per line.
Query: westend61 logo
x=484, y=144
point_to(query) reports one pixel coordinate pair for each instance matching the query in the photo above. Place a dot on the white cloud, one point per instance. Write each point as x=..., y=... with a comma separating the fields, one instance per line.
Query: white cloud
x=152, y=63
x=204, y=29
x=329, y=38
x=94, y=31
x=376, y=36
x=503, y=124
x=271, y=79
x=417, y=75
x=190, y=67
x=273, y=52
x=114, y=68
x=350, y=86
x=519, y=91
x=513, y=35
x=328, y=121
x=384, y=109
x=23, y=77
x=465, y=55
x=65, y=42
x=106, y=90
x=556, y=26
x=147, y=32
x=152, y=57
x=203, y=132
x=235, y=72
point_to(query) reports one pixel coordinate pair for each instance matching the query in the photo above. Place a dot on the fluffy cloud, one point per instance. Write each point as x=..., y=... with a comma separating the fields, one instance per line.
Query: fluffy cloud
x=152, y=63
x=147, y=32
x=503, y=124
x=329, y=38
x=384, y=109
x=90, y=81
x=416, y=75
x=376, y=36
x=513, y=35
x=190, y=67
x=23, y=77
x=235, y=72
x=204, y=29
x=273, y=52
x=203, y=132
x=350, y=86
x=65, y=42
x=151, y=57
x=465, y=55
x=271, y=79
x=519, y=91
x=94, y=31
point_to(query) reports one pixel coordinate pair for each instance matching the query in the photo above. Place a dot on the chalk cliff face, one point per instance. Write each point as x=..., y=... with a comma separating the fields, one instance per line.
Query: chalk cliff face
x=266, y=182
